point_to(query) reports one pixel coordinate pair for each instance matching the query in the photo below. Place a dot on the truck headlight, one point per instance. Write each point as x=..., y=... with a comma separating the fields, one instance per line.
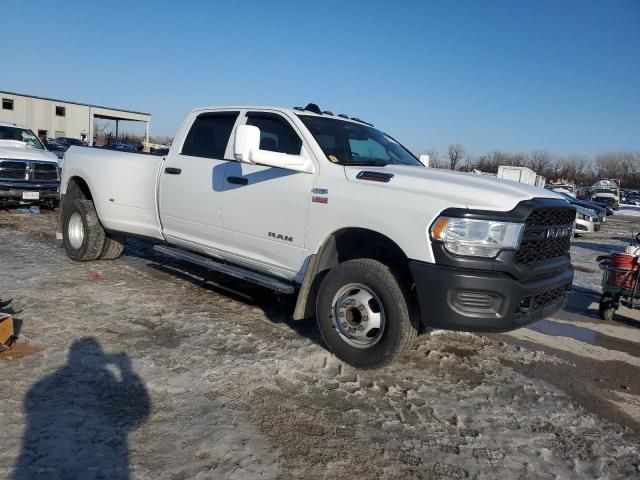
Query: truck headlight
x=476, y=238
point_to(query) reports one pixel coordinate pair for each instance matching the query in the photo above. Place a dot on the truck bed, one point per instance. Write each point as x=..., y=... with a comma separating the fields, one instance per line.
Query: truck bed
x=126, y=195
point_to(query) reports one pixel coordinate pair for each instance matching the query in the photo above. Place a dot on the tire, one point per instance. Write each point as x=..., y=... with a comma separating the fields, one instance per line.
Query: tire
x=361, y=294
x=607, y=309
x=83, y=236
x=113, y=246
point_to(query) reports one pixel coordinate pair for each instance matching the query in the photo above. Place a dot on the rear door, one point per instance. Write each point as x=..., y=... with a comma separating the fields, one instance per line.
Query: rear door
x=191, y=180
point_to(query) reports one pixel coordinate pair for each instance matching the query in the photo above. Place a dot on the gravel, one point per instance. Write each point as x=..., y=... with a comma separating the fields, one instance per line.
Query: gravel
x=152, y=369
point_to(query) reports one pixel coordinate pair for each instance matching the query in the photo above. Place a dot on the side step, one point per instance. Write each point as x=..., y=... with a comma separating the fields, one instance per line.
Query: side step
x=234, y=271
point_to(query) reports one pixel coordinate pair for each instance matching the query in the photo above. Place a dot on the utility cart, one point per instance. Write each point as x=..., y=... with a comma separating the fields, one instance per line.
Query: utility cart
x=619, y=284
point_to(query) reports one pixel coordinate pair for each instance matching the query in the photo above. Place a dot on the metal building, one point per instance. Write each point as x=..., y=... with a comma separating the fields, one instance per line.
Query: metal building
x=62, y=118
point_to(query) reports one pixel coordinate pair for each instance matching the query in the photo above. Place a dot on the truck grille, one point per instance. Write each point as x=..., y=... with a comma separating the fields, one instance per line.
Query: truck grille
x=11, y=170
x=26, y=171
x=605, y=200
x=537, y=245
x=45, y=171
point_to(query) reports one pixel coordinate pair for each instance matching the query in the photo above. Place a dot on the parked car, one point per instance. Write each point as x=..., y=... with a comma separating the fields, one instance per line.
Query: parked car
x=56, y=148
x=586, y=221
x=160, y=151
x=606, y=191
x=631, y=197
x=28, y=172
x=601, y=212
x=329, y=209
x=67, y=142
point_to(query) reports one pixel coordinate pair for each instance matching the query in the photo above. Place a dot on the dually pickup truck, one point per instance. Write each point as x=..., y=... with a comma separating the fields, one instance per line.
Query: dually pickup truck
x=336, y=212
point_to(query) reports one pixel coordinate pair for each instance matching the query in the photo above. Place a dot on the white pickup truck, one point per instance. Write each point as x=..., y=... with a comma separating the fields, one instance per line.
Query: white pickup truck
x=332, y=210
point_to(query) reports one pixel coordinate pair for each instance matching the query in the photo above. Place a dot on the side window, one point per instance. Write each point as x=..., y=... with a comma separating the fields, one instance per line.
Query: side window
x=209, y=135
x=276, y=134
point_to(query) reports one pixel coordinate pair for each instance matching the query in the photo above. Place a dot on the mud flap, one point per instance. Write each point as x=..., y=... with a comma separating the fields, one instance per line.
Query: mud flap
x=59, y=222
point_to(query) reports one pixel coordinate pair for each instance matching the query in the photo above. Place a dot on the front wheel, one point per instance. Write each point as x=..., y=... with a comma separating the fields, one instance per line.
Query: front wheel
x=364, y=316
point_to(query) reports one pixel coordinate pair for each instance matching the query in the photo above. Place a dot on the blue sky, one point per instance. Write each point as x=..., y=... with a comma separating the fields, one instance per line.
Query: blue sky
x=557, y=75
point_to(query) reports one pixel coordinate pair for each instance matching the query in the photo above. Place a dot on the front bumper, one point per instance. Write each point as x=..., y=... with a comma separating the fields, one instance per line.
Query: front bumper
x=14, y=191
x=584, y=226
x=476, y=300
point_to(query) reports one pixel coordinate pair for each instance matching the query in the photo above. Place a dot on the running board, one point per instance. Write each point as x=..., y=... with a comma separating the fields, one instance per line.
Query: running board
x=236, y=272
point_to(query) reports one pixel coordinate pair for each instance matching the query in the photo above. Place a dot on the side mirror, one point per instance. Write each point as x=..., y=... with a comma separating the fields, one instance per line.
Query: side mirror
x=424, y=159
x=246, y=149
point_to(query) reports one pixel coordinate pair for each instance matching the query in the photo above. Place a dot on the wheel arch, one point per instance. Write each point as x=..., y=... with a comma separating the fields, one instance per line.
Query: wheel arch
x=347, y=244
x=77, y=187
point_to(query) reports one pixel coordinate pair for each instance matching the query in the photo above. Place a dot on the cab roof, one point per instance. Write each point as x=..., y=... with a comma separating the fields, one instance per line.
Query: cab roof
x=14, y=125
x=311, y=110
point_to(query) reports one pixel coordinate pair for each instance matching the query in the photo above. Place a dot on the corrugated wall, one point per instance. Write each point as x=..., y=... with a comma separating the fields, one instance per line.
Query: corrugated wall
x=40, y=114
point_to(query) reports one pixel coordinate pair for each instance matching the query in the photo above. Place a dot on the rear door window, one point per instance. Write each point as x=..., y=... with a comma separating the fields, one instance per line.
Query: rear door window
x=209, y=135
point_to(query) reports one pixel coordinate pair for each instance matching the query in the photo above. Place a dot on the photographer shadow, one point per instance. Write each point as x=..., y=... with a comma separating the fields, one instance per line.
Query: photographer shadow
x=78, y=418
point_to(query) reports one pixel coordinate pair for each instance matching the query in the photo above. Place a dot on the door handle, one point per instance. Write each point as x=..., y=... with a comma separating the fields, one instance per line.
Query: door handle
x=173, y=171
x=238, y=180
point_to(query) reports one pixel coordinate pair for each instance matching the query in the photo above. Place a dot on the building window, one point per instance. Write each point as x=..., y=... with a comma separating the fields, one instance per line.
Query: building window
x=60, y=111
x=7, y=104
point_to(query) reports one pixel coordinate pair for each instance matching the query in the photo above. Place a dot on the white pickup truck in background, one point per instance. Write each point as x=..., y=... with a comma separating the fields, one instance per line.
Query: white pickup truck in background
x=29, y=173
x=336, y=212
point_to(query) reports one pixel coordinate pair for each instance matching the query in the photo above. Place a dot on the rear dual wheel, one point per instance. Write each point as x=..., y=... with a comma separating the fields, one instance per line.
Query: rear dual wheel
x=364, y=314
x=84, y=238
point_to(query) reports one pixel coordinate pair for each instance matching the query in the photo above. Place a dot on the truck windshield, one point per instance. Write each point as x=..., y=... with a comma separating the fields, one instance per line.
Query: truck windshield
x=23, y=135
x=349, y=143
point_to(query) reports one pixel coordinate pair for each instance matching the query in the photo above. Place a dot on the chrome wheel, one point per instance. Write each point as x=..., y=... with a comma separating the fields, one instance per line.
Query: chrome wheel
x=358, y=315
x=75, y=230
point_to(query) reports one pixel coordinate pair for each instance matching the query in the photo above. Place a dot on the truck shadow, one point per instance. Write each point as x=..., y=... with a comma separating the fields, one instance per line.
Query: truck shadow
x=277, y=308
x=79, y=417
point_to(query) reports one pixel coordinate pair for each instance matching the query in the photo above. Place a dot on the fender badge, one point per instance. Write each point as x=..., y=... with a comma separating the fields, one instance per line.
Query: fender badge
x=318, y=199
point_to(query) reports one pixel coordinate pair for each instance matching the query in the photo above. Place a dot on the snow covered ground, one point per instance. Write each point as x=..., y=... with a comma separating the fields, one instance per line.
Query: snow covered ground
x=630, y=210
x=151, y=369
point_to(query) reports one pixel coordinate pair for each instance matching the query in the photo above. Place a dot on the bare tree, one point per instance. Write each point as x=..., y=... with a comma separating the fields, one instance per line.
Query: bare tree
x=456, y=154
x=541, y=162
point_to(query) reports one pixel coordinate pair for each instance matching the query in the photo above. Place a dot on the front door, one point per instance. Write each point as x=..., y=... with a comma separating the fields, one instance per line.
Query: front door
x=264, y=209
x=192, y=179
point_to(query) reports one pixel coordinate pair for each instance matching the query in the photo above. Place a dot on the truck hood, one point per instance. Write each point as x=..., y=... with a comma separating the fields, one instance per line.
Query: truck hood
x=19, y=151
x=465, y=190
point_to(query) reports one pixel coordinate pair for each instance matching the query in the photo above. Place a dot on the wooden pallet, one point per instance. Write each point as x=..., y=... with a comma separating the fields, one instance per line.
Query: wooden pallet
x=6, y=331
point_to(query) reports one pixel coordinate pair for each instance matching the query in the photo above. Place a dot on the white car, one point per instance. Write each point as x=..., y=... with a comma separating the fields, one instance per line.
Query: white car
x=587, y=221
x=329, y=209
x=28, y=172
